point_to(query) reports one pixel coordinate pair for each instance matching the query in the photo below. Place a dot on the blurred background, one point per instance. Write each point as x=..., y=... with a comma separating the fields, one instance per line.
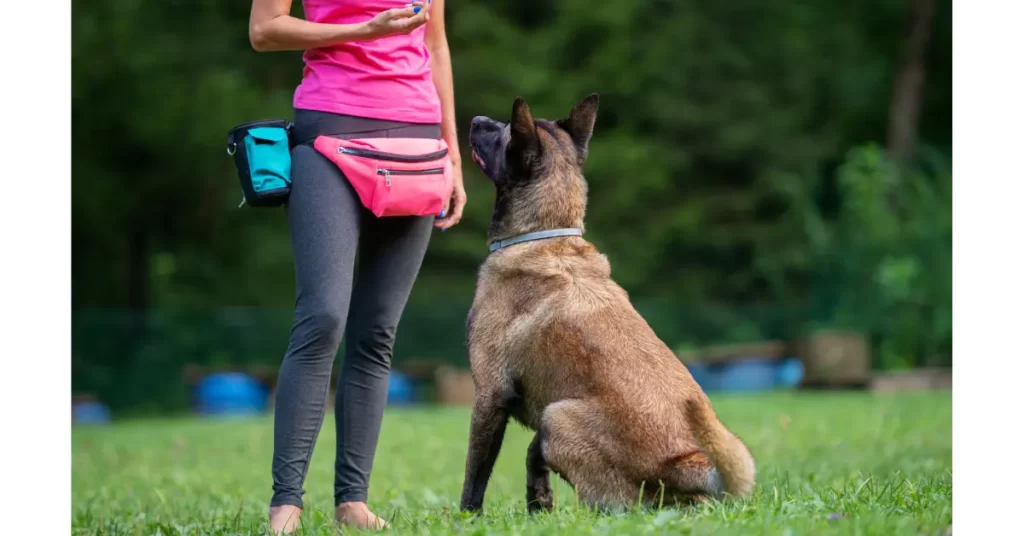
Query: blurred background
x=770, y=180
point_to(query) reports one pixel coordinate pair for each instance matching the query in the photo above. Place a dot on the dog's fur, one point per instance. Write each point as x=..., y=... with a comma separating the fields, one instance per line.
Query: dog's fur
x=555, y=343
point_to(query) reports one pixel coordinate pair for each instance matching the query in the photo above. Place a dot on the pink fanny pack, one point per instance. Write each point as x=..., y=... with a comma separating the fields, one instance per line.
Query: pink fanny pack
x=394, y=176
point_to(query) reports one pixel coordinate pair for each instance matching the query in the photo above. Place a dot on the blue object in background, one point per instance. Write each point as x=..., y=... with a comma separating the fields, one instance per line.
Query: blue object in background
x=90, y=413
x=789, y=373
x=705, y=375
x=400, y=389
x=749, y=375
x=230, y=394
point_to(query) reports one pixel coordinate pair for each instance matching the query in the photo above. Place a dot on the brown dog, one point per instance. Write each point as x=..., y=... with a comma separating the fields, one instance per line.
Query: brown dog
x=556, y=344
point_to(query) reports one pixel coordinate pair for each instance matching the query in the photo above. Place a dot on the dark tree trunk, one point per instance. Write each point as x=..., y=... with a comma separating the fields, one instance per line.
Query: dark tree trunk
x=908, y=84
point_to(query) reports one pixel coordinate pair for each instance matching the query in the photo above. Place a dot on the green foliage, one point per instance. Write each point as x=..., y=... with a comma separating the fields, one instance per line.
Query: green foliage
x=719, y=128
x=827, y=464
x=887, y=257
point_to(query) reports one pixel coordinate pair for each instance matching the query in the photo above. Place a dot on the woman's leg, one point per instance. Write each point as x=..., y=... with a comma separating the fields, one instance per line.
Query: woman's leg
x=323, y=217
x=391, y=251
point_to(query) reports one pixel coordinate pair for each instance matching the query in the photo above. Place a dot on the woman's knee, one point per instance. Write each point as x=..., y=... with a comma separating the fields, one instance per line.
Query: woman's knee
x=327, y=323
x=373, y=343
x=318, y=333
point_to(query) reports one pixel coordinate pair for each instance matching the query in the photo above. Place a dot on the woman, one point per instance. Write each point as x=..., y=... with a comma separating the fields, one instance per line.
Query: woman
x=373, y=68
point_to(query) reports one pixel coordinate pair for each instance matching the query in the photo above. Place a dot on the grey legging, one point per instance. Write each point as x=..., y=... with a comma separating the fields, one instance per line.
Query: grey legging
x=328, y=226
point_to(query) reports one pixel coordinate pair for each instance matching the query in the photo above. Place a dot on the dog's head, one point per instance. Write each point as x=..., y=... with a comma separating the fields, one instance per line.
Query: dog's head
x=536, y=166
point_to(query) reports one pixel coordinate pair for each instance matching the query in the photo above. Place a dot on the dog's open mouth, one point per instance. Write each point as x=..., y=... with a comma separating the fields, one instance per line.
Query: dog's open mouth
x=479, y=161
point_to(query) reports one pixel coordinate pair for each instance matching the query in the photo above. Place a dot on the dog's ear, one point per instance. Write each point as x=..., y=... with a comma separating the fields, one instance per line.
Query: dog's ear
x=523, y=128
x=580, y=122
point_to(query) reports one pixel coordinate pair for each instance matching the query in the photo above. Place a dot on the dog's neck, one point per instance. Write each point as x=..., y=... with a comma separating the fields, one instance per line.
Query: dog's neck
x=559, y=202
x=531, y=237
x=499, y=232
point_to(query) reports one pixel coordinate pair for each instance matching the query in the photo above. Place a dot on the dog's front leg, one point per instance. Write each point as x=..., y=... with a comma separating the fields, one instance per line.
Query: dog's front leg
x=538, y=477
x=486, y=430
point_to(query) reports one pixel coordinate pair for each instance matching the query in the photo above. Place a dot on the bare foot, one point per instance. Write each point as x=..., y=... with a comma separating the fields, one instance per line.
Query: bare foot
x=358, y=515
x=284, y=519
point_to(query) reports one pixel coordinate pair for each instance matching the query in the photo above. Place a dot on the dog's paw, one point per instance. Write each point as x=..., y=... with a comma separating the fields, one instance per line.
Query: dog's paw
x=469, y=508
x=539, y=501
x=536, y=507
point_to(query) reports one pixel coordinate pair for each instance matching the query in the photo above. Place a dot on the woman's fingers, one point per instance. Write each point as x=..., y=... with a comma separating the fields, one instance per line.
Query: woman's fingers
x=453, y=214
x=406, y=12
x=460, y=205
x=413, y=9
x=402, y=19
x=443, y=216
x=411, y=23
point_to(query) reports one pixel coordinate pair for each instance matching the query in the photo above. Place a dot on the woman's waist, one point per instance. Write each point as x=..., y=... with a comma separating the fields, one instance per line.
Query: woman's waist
x=312, y=123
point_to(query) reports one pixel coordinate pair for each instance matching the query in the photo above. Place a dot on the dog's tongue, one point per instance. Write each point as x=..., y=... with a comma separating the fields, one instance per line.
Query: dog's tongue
x=479, y=161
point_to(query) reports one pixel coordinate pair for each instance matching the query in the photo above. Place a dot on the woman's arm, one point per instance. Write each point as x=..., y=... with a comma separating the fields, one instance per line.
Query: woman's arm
x=272, y=28
x=441, y=67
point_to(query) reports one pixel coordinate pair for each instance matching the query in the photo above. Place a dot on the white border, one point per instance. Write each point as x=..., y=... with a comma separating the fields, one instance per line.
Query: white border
x=35, y=275
x=988, y=175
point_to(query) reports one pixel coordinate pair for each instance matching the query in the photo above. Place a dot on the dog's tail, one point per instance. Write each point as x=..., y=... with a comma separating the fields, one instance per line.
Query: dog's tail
x=732, y=460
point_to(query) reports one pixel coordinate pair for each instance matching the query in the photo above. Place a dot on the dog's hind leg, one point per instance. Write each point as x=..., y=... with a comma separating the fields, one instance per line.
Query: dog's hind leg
x=573, y=445
x=538, y=481
x=693, y=478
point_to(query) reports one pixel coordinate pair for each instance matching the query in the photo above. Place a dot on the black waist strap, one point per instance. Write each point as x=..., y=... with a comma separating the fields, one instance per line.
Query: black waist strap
x=310, y=123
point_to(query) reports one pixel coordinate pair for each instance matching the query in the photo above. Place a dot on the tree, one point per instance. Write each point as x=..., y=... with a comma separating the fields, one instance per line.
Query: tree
x=909, y=82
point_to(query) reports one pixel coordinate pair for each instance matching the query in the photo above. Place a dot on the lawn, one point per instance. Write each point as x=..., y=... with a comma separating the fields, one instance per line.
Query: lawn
x=827, y=463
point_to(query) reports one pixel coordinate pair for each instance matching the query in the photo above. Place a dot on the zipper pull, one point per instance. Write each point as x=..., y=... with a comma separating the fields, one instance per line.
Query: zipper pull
x=387, y=178
x=243, y=201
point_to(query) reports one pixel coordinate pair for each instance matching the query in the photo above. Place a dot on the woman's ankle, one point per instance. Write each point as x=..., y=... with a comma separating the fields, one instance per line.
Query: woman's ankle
x=284, y=519
x=357, y=514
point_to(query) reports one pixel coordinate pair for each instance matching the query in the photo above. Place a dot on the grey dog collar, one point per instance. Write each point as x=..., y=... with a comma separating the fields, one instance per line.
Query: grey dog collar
x=539, y=235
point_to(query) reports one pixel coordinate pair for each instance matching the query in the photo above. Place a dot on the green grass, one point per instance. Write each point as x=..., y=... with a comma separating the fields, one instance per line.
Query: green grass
x=828, y=464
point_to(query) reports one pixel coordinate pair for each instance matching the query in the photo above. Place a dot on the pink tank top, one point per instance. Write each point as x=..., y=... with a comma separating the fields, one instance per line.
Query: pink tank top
x=388, y=78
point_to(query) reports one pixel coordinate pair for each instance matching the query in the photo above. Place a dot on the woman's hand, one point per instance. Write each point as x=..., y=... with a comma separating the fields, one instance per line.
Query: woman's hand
x=441, y=69
x=400, y=20
x=453, y=212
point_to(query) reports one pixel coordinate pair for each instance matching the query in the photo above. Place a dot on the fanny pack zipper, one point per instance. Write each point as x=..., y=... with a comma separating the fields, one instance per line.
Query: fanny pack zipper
x=389, y=172
x=367, y=153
